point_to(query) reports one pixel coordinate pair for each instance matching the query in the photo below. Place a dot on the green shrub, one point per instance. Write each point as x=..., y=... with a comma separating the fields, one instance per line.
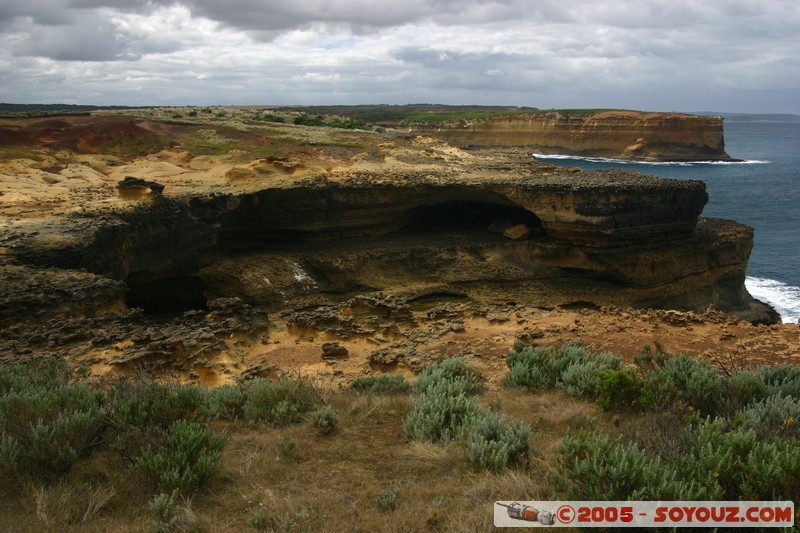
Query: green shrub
x=682, y=383
x=141, y=411
x=444, y=413
x=382, y=384
x=781, y=379
x=227, y=402
x=451, y=369
x=280, y=402
x=165, y=509
x=774, y=416
x=617, y=390
x=187, y=455
x=595, y=466
x=42, y=373
x=145, y=404
x=46, y=423
x=387, y=499
x=738, y=464
x=494, y=444
x=743, y=388
x=325, y=419
x=261, y=520
x=571, y=367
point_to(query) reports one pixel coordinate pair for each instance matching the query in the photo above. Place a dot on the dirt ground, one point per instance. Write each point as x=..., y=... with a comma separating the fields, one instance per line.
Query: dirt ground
x=724, y=341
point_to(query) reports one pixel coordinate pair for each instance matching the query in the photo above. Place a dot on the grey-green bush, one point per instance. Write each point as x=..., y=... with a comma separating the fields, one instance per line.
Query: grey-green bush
x=186, y=457
x=444, y=413
x=227, y=402
x=682, y=382
x=571, y=367
x=141, y=411
x=46, y=423
x=494, y=444
x=774, y=416
x=738, y=464
x=325, y=419
x=280, y=402
x=781, y=379
x=382, y=384
x=595, y=466
x=451, y=369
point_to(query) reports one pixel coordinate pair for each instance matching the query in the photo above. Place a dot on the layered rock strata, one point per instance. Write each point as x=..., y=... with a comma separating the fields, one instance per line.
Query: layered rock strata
x=611, y=134
x=407, y=218
x=603, y=237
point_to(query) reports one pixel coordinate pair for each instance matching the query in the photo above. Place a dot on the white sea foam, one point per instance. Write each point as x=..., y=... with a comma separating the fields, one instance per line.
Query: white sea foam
x=592, y=159
x=784, y=298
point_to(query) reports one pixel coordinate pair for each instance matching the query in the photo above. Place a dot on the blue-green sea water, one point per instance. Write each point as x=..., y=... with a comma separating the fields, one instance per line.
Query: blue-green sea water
x=762, y=192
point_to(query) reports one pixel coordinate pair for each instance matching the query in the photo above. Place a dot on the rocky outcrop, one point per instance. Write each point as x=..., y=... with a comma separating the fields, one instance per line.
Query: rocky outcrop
x=406, y=222
x=612, y=134
x=604, y=237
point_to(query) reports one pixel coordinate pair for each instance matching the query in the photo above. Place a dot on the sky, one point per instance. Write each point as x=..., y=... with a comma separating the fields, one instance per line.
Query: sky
x=655, y=55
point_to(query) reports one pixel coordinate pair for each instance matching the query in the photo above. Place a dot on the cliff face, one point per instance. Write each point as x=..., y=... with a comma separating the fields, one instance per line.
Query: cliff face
x=408, y=218
x=612, y=134
x=604, y=237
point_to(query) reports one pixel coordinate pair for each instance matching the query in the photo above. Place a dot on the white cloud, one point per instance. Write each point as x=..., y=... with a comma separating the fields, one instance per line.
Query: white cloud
x=651, y=54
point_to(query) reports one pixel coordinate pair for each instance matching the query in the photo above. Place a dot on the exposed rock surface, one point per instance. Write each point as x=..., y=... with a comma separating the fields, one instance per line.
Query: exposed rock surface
x=346, y=246
x=613, y=134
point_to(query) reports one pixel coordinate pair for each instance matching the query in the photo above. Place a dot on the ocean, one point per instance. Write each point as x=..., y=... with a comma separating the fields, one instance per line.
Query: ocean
x=762, y=192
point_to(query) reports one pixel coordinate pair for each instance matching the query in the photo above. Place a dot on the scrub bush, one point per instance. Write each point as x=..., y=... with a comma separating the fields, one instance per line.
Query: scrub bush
x=596, y=466
x=683, y=383
x=46, y=423
x=451, y=369
x=494, y=444
x=617, y=390
x=280, y=402
x=184, y=459
x=571, y=367
x=444, y=413
x=227, y=402
x=382, y=384
x=325, y=419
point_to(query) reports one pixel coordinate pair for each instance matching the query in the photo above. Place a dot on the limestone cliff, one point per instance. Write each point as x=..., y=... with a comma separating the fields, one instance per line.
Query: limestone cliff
x=328, y=220
x=613, y=134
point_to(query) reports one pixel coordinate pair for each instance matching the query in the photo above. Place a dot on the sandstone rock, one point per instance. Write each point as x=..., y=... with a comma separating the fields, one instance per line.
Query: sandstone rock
x=608, y=237
x=519, y=232
x=615, y=134
x=334, y=350
x=131, y=186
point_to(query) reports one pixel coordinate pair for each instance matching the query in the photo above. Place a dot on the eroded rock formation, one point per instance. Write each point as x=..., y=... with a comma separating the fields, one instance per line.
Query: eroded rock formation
x=612, y=134
x=405, y=219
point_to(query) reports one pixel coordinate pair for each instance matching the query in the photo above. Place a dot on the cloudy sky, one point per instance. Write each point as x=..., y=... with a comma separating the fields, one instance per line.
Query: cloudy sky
x=660, y=55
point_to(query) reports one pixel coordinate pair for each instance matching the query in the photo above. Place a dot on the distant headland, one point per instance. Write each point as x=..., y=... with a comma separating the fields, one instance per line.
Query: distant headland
x=612, y=133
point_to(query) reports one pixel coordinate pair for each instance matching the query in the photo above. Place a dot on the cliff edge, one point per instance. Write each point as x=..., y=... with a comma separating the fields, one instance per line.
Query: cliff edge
x=128, y=241
x=626, y=135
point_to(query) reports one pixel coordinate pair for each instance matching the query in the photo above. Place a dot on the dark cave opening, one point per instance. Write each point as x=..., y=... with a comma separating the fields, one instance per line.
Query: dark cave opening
x=165, y=296
x=470, y=216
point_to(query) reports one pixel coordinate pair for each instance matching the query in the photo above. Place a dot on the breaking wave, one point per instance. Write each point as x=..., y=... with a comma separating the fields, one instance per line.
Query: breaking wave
x=593, y=159
x=784, y=298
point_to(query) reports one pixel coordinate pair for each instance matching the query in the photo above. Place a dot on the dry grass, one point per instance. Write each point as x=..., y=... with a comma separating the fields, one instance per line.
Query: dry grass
x=362, y=477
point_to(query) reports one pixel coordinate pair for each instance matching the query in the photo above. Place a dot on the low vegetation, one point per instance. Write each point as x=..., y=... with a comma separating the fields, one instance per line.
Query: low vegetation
x=288, y=455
